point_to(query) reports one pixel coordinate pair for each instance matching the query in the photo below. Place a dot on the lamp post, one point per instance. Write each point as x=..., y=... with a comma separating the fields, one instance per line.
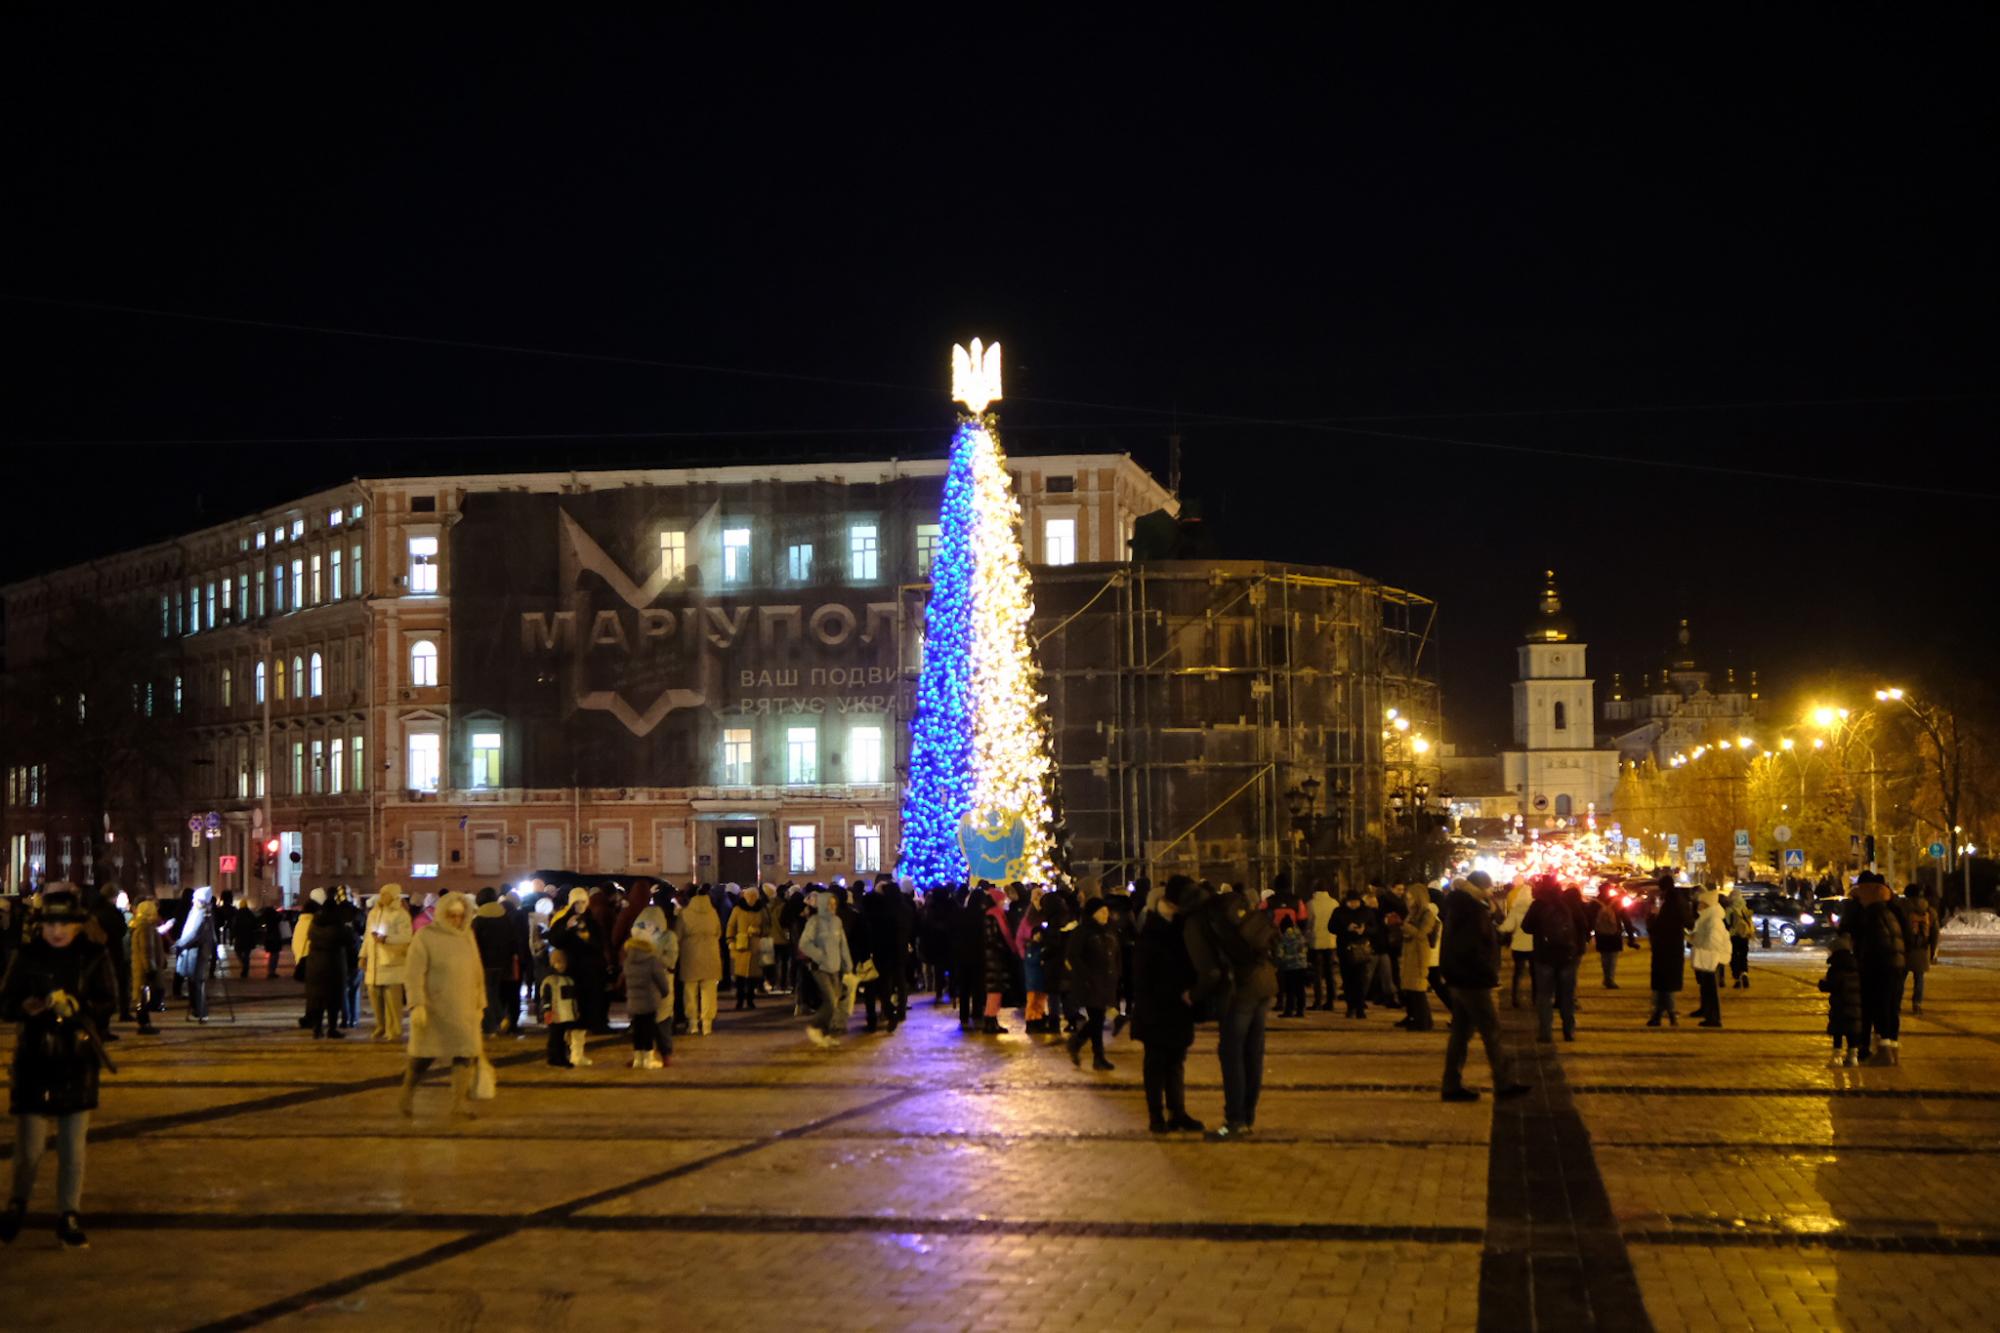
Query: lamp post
x=1419, y=812
x=1308, y=823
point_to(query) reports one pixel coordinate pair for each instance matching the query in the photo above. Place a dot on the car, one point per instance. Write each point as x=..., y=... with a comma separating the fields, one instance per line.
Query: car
x=1787, y=921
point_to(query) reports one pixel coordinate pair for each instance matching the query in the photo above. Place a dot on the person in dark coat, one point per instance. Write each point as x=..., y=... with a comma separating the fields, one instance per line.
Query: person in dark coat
x=108, y=928
x=1093, y=952
x=244, y=932
x=968, y=956
x=271, y=931
x=999, y=956
x=1559, y=933
x=328, y=964
x=935, y=941
x=61, y=988
x=1469, y=961
x=1608, y=925
x=1059, y=912
x=1880, y=930
x=1163, y=980
x=493, y=935
x=1842, y=987
x=1666, y=940
x=891, y=922
x=1229, y=944
x=1356, y=927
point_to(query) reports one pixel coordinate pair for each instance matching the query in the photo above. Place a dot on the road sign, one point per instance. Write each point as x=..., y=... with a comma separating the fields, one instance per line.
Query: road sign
x=1795, y=858
x=1783, y=833
x=1700, y=850
x=1743, y=842
x=227, y=863
x=1937, y=851
x=1673, y=842
x=1634, y=846
x=212, y=820
x=194, y=823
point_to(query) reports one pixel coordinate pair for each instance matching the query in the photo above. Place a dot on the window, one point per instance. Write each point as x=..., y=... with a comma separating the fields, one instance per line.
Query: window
x=260, y=773
x=423, y=662
x=298, y=528
x=194, y=608
x=423, y=564
x=260, y=593
x=243, y=766
x=424, y=853
x=228, y=687
x=242, y=596
x=423, y=760
x=673, y=556
x=333, y=517
x=317, y=586
x=319, y=768
x=360, y=769
x=928, y=535
x=318, y=676
x=1062, y=485
x=260, y=539
x=335, y=562
x=299, y=584
x=485, y=759
x=227, y=606
x=1564, y=805
x=802, y=755
x=799, y=562
x=864, y=754
x=298, y=677
x=863, y=553
x=867, y=849
x=354, y=514
x=802, y=840
x=277, y=534
x=336, y=761
x=278, y=587
x=1059, y=541
x=166, y=617
x=177, y=694
x=737, y=756
x=1562, y=718
x=212, y=621
x=298, y=768
x=257, y=683
x=735, y=555
x=149, y=698
x=355, y=573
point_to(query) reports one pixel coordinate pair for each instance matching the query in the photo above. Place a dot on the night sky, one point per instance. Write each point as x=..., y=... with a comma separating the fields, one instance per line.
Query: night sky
x=1702, y=317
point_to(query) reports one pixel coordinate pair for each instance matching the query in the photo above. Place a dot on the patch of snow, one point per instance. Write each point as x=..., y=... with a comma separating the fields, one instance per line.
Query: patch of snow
x=1977, y=922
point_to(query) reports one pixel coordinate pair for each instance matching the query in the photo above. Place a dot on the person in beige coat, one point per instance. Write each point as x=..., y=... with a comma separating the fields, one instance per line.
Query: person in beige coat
x=700, y=930
x=1422, y=932
x=748, y=928
x=447, y=989
x=385, y=951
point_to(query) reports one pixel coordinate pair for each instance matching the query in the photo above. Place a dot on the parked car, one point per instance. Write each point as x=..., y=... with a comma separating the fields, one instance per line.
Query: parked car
x=1787, y=921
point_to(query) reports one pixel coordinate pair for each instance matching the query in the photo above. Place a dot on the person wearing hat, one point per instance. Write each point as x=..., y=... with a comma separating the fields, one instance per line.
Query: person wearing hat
x=385, y=952
x=194, y=953
x=61, y=988
x=1162, y=1016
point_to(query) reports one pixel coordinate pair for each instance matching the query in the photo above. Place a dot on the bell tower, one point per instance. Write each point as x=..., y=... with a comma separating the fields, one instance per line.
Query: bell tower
x=1554, y=698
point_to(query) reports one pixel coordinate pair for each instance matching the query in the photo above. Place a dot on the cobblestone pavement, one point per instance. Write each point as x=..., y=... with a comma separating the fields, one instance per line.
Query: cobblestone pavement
x=243, y=1175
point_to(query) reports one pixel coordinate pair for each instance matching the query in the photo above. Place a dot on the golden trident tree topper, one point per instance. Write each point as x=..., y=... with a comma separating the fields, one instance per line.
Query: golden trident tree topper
x=975, y=375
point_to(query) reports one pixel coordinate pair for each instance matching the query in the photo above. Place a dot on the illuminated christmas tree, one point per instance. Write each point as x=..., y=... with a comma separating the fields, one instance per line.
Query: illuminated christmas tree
x=977, y=804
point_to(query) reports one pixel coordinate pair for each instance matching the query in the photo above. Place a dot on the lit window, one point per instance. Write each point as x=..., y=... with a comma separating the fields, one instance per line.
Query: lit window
x=318, y=676
x=194, y=608
x=278, y=686
x=354, y=515
x=277, y=534
x=735, y=555
x=1059, y=541
x=928, y=535
x=485, y=759
x=257, y=683
x=360, y=769
x=299, y=584
x=336, y=762
x=298, y=528
x=867, y=849
x=673, y=556
x=736, y=757
x=863, y=553
x=355, y=573
x=799, y=562
x=212, y=620
x=423, y=564
x=260, y=773
x=317, y=586
x=298, y=768
x=802, y=841
x=802, y=755
x=423, y=760
x=243, y=766
x=278, y=587
x=423, y=663
x=260, y=539
x=228, y=687
x=242, y=596
x=298, y=677
x=226, y=606
x=333, y=517
x=260, y=592
x=177, y=694
x=335, y=590
x=864, y=754
x=166, y=617
x=319, y=767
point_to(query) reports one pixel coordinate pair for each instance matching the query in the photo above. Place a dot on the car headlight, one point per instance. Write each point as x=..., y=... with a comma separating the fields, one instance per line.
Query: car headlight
x=1805, y=918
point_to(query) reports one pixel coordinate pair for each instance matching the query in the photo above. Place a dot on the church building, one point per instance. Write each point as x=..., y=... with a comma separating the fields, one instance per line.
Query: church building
x=1555, y=769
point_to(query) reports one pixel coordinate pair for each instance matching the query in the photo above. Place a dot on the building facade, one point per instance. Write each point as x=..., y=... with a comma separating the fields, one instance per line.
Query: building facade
x=455, y=681
x=1683, y=711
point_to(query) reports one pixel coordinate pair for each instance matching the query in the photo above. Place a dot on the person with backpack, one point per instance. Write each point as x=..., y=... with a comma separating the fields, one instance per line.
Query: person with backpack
x=1421, y=931
x=1229, y=944
x=1922, y=922
x=1610, y=932
x=1881, y=952
x=1469, y=959
x=1558, y=936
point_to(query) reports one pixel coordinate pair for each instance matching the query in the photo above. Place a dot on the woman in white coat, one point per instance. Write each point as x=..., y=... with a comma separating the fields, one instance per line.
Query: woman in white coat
x=385, y=952
x=1711, y=951
x=447, y=989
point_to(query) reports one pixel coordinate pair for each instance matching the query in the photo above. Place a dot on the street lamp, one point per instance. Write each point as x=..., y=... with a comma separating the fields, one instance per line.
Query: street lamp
x=1309, y=823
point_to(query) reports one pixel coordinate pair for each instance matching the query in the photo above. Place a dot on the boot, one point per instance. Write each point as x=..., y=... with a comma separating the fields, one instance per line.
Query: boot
x=406, y=1102
x=578, y=1057
x=992, y=1028
x=461, y=1091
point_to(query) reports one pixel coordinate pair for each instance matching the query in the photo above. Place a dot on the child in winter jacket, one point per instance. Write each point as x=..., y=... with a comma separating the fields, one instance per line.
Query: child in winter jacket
x=558, y=1004
x=1842, y=984
x=647, y=988
x=1293, y=957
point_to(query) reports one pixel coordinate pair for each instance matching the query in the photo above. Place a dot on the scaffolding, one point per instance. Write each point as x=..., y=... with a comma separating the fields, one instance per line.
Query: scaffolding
x=1189, y=697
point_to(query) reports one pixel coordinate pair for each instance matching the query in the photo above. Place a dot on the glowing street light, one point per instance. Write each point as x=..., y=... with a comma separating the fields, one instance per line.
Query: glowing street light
x=1892, y=692
x=1785, y=744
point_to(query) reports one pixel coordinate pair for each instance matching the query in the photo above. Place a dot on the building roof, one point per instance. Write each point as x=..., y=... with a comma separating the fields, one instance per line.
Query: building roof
x=1550, y=625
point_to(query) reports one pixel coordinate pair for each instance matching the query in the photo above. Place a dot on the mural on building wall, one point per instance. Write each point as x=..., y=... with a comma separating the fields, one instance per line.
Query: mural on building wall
x=611, y=659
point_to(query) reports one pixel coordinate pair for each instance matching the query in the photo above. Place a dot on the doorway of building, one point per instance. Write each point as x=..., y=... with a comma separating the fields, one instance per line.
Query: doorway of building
x=736, y=854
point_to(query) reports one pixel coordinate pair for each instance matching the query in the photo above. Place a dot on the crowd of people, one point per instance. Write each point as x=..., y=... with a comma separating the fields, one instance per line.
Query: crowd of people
x=1078, y=966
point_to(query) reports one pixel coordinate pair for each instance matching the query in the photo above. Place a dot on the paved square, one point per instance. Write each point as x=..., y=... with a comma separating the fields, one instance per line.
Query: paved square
x=243, y=1175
